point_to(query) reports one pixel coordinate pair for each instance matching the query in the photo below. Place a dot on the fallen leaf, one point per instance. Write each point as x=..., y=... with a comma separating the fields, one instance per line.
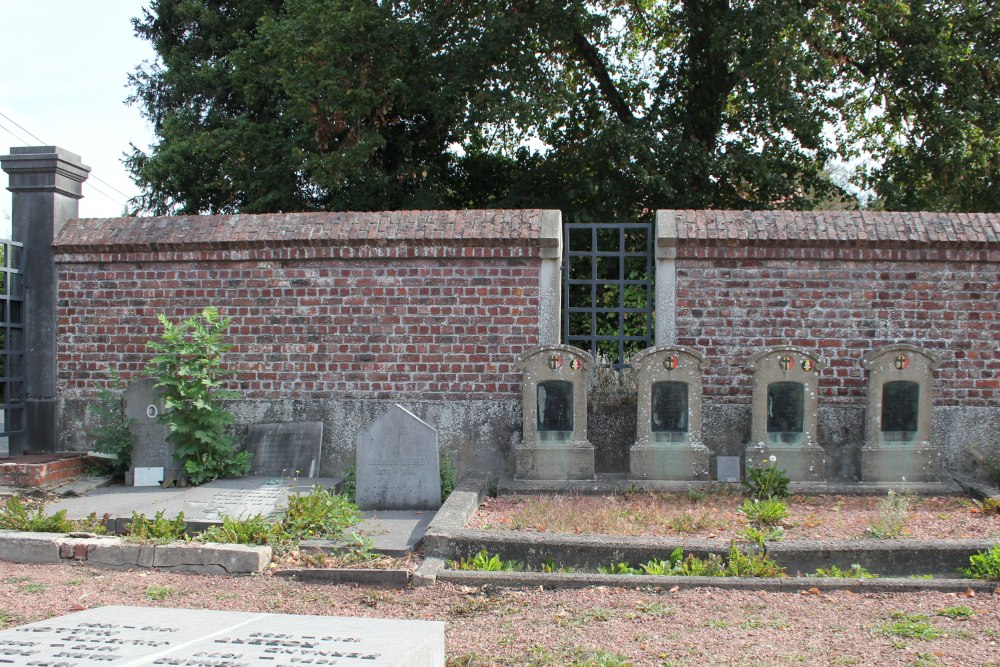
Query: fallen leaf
x=675, y=589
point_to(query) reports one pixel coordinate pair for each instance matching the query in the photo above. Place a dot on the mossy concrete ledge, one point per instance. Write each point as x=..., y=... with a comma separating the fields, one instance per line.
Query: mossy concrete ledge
x=116, y=553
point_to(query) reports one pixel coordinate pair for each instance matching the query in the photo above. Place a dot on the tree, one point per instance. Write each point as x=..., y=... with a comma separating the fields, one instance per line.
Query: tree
x=609, y=109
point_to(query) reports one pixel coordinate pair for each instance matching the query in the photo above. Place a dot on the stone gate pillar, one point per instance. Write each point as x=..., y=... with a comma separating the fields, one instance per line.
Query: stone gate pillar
x=46, y=183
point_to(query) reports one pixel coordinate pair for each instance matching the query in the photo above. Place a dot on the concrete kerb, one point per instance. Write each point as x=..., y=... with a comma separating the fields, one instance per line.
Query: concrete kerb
x=448, y=539
x=338, y=575
x=116, y=553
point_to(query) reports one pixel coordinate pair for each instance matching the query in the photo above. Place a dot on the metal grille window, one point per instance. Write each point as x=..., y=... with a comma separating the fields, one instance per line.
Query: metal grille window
x=12, y=344
x=608, y=289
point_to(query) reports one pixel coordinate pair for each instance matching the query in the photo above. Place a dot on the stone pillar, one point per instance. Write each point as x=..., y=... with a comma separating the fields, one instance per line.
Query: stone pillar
x=666, y=278
x=550, y=280
x=46, y=184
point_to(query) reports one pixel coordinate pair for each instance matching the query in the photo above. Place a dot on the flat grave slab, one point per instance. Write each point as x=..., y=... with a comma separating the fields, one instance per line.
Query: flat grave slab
x=136, y=636
x=244, y=496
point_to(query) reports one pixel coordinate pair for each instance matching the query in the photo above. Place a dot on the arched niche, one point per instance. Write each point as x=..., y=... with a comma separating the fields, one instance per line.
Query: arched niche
x=784, y=419
x=554, y=441
x=668, y=430
x=898, y=445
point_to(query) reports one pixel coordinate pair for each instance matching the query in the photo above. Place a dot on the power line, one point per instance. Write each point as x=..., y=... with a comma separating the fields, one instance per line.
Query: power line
x=11, y=133
x=92, y=174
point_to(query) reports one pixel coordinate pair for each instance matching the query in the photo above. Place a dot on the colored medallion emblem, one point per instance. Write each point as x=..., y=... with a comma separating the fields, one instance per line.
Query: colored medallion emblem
x=671, y=362
x=807, y=364
x=575, y=364
x=786, y=362
x=902, y=361
x=555, y=361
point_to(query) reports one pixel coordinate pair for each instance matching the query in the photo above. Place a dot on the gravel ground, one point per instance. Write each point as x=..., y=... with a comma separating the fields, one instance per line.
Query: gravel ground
x=716, y=516
x=516, y=627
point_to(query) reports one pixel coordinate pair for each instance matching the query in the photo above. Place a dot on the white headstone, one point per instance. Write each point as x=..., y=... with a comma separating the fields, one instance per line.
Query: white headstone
x=139, y=636
x=397, y=464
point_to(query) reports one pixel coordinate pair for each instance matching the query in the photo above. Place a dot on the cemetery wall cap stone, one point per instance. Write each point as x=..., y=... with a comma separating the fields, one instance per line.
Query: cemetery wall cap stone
x=650, y=351
x=868, y=360
x=498, y=227
x=916, y=228
x=585, y=357
x=755, y=360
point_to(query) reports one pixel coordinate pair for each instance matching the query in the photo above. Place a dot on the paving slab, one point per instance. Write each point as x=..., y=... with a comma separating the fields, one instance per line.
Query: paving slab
x=394, y=532
x=137, y=636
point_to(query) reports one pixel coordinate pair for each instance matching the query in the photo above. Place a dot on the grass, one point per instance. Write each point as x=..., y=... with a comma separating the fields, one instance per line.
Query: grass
x=956, y=612
x=911, y=625
x=891, y=523
x=159, y=592
x=34, y=587
x=6, y=618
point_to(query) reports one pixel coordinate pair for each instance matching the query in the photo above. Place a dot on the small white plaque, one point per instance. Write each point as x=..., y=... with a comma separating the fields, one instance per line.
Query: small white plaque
x=148, y=476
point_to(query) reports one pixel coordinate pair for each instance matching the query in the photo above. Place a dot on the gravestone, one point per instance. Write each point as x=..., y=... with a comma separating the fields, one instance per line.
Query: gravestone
x=137, y=636
x=784, y=419
x=898, y=445
x=287, y=450
x=397, y=465
x=554, y=441
x=668, y=430
x=152, y=456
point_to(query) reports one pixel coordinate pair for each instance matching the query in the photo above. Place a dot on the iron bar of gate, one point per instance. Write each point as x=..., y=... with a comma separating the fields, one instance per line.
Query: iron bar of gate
x=608, y=289
x=12, y=333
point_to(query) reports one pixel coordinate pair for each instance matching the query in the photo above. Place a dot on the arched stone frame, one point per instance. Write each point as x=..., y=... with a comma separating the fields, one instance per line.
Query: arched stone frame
x=897, y=458
x=545, y=455
x=800, y=456
x=676, y=454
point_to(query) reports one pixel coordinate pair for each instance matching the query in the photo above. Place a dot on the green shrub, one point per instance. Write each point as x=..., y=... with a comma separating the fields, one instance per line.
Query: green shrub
x=112, y=434
x=15, y=516
x=766, y=512
x=158, y=529
x=766, y=482
x=853, y=572
x=187, y=366
x=484, y=562
x=447, y=478
x=892, y=516
x=319, y=514
x=255, y=529
x=984, y=565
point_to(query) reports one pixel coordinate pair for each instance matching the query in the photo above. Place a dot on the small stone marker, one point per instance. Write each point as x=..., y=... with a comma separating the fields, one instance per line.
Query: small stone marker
x=289, y=450
x=137, y=636
x=397, y=463
x=152, y=456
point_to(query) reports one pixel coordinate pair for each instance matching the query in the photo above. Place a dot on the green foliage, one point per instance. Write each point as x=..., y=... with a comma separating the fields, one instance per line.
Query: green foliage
x=158, y=529
x=484, y=562
x=760, y=536
x=549, y=566
x=962, y=611
x=619, y=568
x=736, y=564
x=255, y=529
x=188, y=367
x=855, y=571
x=984, y=565
x=350, y=484
x=319, y=514
x=112, y=435
x=766, y=482
x=159, y=592
x=447, y=478
x=15, y=516
x=766, y=512
x=892, y=516
x=911, y=625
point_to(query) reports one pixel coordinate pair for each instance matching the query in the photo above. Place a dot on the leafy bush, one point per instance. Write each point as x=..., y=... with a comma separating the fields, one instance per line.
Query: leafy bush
x=767, y=512
x=255, y=529
x=484, y=562
x=984, y=565
x=112, y=435
x=853, y=572
x=319, y=514
x=15, y=516
x=766, y=482
x=188, y=367
x=158, y=529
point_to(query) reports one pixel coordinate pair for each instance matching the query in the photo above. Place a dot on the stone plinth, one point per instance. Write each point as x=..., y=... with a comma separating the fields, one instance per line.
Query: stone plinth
x=554, y=441
x=668, y=430
x=784, y=415
x=898, y=445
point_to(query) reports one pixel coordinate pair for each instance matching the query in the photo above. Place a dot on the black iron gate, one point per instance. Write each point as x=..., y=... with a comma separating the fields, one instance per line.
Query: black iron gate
x=12, y=345
x=608, y=289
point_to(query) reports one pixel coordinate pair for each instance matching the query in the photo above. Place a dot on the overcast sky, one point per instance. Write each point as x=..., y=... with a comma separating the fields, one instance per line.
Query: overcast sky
x=64, y=67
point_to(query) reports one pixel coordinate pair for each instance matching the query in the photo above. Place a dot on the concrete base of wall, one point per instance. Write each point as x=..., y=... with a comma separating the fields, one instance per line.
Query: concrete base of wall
x=900, y=463
x=676, y=462
x=572, y=461
x=806, y=463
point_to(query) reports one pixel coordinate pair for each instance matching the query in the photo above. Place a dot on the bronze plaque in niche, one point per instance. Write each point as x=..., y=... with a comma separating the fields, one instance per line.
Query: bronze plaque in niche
x=900, y=409
x=670, y=407
x=785, y=407
x=555, y=405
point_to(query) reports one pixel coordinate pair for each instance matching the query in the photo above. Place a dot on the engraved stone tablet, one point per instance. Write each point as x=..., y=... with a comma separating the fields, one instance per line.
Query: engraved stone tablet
x=138, y=636
x=397, y=463
x=151, y=454
x=555, y=408
x=784, y=407
x=669, y=407
x=288, y=450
